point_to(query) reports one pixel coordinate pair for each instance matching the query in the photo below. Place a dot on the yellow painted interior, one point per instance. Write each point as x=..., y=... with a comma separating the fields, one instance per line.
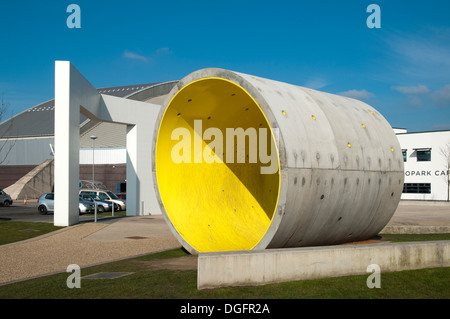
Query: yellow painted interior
x=215, y=206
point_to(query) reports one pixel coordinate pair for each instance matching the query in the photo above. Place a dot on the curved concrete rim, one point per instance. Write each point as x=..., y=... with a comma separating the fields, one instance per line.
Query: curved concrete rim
x=256, y=95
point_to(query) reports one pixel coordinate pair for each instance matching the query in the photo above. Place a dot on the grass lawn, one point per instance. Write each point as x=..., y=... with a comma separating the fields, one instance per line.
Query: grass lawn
x=395, y=238
x=171, y=284
x=146, y=282
x=11, y=231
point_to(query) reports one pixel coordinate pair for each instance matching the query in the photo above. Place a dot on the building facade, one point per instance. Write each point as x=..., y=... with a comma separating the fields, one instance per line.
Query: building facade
x=426, y=157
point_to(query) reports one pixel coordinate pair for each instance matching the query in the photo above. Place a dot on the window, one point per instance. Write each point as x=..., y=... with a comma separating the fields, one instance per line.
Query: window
x=103, y=196
x=423, y=155
x=50, y=196
x=88, y=193
x=417, y=188
x=404, y=155
x=87, y=198
x=112, y=195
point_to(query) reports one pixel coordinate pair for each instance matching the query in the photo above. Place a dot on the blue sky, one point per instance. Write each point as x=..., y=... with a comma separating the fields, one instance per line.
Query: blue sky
x=402, y=69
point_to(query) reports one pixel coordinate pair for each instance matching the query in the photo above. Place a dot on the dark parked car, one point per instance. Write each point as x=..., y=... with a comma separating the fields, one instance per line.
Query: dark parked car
x=102, y=205
x=105, y=195
x=5, y=199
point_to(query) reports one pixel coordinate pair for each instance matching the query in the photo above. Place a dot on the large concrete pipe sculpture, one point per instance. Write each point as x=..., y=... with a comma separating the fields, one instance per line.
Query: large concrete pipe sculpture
x=242, y=163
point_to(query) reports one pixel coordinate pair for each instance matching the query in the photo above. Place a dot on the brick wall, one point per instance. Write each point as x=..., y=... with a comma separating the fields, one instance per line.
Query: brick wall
x=9, y=174
x=108, y=174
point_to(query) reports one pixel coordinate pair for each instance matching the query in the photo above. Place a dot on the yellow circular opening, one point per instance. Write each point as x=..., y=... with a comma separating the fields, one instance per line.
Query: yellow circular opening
x=217, y=166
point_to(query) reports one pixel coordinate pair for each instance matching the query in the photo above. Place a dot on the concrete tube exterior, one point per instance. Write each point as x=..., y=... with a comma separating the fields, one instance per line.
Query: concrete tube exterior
x=338, y=165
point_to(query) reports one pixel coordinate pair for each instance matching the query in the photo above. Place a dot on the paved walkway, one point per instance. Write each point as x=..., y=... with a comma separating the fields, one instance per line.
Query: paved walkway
x=84, y=244
x=416, y=218
x=91, y=243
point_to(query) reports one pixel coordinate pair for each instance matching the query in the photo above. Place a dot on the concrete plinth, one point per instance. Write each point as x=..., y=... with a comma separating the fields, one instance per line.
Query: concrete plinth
x=247, y=268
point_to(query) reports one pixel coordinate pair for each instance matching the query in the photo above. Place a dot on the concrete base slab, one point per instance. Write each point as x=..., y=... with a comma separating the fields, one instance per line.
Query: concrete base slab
x=414, y=229
x=248, y=268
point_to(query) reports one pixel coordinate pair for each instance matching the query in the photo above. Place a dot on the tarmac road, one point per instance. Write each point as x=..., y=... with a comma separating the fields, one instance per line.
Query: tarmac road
x=421, y=214
x=29, y=213
x=25, y=213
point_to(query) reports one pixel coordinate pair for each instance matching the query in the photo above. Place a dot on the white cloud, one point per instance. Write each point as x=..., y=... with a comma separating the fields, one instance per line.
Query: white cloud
x=422, y=55
x=315, y=84
x=163, y=50
x=134, y=56
x=151, y=58
x=413, y=100
x=442, y=96
x=426, y=49
x=357, y=94
x=418, y=89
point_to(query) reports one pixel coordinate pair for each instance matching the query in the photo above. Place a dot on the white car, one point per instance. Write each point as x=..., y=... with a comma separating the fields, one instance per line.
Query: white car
x=5, y=199
x=46, y=203
x=86, y=207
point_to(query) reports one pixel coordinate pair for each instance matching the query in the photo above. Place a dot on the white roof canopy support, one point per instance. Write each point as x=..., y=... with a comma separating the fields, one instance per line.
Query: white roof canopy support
x=74, y=94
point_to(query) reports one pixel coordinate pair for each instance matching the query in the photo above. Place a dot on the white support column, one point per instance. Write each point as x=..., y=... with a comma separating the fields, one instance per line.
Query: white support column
x=74, y=94
x=67, y=144
x=133, y=189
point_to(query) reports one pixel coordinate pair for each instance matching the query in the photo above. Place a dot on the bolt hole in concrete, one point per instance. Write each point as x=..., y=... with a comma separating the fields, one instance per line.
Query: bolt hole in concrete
x=192, y=191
